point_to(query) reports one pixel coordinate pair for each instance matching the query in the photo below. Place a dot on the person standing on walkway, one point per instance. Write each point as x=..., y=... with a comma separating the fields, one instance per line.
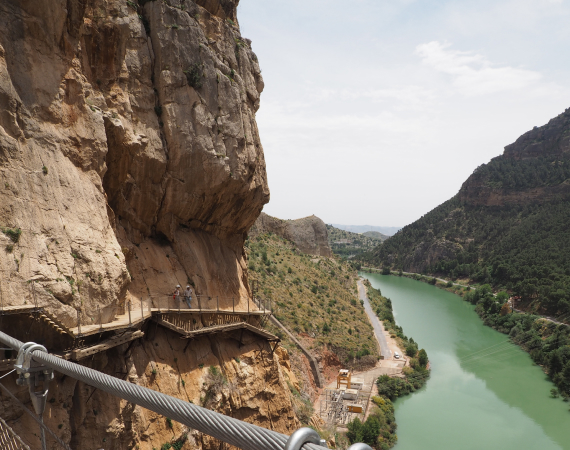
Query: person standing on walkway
x=188, y=296
x=176, y=294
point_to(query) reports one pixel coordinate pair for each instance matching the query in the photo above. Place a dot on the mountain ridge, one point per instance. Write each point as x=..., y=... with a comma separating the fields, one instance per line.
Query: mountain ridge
x=505, y=226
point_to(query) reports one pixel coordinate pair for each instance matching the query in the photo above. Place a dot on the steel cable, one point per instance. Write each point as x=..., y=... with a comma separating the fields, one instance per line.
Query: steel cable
x=233, y=431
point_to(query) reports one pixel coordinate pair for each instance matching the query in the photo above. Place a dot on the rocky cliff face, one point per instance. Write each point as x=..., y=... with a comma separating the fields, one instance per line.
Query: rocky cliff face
x=120, y=124
x=550, y=141
x=244, y=381
x=309, y=234
x=130, y=162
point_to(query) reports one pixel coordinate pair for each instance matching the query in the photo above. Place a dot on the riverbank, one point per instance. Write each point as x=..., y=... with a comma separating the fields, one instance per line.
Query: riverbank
x=402, y=371
x=544, y=338
x=483, y=391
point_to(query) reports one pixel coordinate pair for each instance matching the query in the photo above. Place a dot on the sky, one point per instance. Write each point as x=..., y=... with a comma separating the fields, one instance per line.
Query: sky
x=376, y=111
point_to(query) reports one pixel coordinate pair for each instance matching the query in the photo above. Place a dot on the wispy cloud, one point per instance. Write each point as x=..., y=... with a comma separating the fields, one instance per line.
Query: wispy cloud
x=473, y=73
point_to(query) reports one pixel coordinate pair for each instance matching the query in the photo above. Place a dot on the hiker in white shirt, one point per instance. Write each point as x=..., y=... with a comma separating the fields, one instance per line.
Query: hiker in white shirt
x=188, y=296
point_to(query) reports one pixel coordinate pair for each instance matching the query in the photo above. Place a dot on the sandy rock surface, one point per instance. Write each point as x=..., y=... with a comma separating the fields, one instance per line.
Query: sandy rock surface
x=130, y=161
x=309, y=234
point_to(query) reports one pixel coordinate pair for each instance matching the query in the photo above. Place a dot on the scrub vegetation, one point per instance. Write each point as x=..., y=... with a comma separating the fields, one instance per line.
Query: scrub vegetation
x=379, y=429
x=314, y=297
x=547, y=342
x=348, y=245
x=522, y=248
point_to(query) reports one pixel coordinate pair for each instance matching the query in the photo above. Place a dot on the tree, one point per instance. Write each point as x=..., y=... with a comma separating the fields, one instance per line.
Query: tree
x=371, y=431
x=555, y=364
x=423, y=358
x=505, y=309
x=411, y=350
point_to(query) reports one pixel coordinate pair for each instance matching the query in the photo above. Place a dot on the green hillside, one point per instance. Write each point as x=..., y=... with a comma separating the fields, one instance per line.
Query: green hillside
x=507, y=226
x=349, y=245
x=314, y=297
x=376, y=235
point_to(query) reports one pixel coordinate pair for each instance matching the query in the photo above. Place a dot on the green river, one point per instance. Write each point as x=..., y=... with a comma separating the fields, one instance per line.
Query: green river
x=483, y=393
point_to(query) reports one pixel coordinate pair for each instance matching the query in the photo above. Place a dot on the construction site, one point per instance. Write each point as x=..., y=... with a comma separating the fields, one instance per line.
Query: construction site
x=345, y=403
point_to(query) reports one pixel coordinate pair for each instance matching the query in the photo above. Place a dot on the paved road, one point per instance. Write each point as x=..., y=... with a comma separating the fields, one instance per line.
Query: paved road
x=376, y=324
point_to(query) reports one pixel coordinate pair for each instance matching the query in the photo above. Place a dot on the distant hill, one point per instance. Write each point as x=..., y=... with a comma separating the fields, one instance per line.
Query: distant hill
x=309, y=234
x=376, y=235
x=349, y=245
x=508, y=225
x=388, y=231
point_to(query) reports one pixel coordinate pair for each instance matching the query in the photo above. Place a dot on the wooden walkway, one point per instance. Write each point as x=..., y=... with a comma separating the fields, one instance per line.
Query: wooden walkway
x=185, y=334
x=137, y=316
x=18, y=309
x=188, y=323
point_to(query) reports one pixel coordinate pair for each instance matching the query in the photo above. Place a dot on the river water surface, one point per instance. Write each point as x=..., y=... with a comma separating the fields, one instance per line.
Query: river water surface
x=483, y=393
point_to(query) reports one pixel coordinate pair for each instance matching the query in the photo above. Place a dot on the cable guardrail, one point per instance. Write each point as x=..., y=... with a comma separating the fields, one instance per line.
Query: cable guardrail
x=35, y=367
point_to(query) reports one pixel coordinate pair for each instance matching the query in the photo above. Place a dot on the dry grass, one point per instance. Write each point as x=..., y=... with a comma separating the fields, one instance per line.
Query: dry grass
x=314, y=297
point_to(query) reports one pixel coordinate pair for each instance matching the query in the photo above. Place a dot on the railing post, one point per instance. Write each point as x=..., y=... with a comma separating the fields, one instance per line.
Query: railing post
x=218, y=303
x=129, y=306
x=78, y=321
x=34, y=294
x=233, y=305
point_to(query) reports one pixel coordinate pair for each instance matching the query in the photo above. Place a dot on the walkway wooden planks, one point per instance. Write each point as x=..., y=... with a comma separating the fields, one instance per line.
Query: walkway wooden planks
x=114, y=341
x=185, y=334
x=121, y=321
x=188, y=323
x=17, y=309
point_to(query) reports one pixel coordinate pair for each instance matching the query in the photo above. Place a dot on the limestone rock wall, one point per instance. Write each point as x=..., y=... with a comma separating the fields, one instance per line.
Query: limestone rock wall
x=130, y=162
x=309, y=233
x=244, y=382
x=124, y=124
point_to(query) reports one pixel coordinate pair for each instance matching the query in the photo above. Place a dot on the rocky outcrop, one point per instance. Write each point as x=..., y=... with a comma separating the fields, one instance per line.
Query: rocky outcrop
x=245, y=381
x=125, y=126
x=130, y=162
x=309, y=234
x=548, y=141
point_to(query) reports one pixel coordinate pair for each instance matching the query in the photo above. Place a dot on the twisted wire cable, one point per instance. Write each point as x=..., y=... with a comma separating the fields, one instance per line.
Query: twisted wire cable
x=233, y=431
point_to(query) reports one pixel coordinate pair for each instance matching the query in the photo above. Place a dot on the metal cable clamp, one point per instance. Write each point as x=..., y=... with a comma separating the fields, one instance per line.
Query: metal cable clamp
x=33, y=374
x=359, y=446
x=302, y=436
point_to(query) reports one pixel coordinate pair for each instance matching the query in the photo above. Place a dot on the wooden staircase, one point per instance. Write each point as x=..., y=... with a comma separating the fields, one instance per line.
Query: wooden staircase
x=53, y=322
